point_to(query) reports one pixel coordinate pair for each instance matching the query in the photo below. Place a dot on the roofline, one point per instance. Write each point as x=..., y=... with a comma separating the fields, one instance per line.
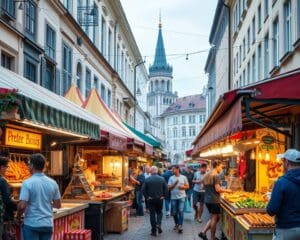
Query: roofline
x=218, y=11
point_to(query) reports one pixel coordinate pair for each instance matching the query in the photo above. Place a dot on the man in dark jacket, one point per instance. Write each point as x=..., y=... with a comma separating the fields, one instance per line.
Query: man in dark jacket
x=155, y=190
x=139, y=181
x=284, y=202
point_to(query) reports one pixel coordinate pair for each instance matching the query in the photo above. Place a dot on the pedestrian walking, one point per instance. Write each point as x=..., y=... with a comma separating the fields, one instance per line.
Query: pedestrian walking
x=138, y=184
x=39, y=194
x=199, y=191
x=212, y=186
x=7, y=206
x=284, y=199
x=177, y=185
x=167, y=174
x=189, y=175
x=147, y=174
x=155, y=190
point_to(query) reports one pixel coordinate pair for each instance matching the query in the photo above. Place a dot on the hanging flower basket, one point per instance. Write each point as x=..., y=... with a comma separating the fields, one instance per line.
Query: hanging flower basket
x=9, y=103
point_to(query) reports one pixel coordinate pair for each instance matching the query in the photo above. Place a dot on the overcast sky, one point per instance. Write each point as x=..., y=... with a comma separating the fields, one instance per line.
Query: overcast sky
x=186, y=26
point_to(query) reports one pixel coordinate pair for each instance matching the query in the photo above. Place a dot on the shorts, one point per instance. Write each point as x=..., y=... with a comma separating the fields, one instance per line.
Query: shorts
x=198, y=197
x=213, y=208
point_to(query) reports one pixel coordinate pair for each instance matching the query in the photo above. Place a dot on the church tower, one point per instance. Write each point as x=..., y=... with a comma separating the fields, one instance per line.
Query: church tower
x=160, y=91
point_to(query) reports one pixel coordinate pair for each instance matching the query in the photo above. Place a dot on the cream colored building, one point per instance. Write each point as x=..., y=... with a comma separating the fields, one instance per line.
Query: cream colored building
x=87, y=43
x=265, y=39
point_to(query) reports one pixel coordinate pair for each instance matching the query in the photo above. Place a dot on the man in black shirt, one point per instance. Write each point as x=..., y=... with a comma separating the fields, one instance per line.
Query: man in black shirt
x=139, y=181
x=155, y=190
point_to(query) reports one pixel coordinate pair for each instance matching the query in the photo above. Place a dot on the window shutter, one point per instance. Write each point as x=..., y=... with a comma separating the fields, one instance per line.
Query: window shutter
x=57, y=81
x=43, y=73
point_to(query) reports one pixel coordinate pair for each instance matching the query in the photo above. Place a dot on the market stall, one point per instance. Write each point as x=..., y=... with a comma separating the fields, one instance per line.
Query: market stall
x=246, y=130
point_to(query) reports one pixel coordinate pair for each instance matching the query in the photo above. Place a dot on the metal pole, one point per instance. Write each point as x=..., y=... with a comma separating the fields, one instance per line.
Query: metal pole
x=134, y=91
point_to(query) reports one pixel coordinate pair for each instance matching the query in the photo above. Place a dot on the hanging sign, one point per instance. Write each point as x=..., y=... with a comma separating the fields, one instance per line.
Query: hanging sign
x=22, y=139
x=268, y=139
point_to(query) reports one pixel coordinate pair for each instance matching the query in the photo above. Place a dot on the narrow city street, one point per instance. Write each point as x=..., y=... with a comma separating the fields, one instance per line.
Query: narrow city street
x=139, y=228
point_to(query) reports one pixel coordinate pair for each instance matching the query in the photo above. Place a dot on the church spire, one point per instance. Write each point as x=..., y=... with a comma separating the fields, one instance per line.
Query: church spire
x=160, y=65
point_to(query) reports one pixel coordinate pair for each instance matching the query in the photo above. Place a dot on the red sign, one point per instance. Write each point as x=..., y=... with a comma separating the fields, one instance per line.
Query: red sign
x=148, y=149
x=117, y=143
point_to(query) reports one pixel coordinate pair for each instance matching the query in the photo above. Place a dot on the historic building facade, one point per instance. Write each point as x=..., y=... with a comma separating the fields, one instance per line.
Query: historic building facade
x=87, y=43
x=182, y=121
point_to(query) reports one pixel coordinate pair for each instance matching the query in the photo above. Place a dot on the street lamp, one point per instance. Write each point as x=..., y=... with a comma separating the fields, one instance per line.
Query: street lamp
x=134, y=91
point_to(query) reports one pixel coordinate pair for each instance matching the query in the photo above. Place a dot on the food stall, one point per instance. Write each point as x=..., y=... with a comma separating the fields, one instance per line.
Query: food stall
x=246, y=130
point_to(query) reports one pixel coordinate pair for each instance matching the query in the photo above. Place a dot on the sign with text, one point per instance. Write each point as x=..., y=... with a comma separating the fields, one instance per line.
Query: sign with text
x=22, y=139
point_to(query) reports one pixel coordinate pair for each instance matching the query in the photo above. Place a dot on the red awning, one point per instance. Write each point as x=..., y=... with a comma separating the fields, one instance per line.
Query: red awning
x=227, y=116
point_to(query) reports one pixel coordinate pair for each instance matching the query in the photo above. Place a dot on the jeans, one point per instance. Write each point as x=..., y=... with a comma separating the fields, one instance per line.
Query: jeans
x=155, y=208
x=286, y=234
x=177, y=207
x=139, y=202
x=37, y=233
x=189, y=194
x=167, y=204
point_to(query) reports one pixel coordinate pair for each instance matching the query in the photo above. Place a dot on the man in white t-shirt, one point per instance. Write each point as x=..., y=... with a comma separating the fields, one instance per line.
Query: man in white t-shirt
x=177, y=185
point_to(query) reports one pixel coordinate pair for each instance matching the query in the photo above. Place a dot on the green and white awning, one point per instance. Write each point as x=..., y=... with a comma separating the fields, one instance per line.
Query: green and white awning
x=45, y=108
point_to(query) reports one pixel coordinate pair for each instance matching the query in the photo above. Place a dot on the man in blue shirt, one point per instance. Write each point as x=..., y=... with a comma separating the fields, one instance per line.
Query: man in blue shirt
x=38, y=195
x=284, y=202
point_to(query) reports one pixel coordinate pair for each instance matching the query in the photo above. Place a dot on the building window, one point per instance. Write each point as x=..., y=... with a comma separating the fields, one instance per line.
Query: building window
x=117, y=63
x=174, y=145
x=182, y=145
x=103, y=95
x=9, y=7
x=68, y=5
x=266, y=8
x=259, y=62
x=88, y=81
x=266, y=56
x=253, y=30
x=175, y=132
x=30, y=70
x=183, y=130
x=248, y=73
x=244, y=77
x=183, y=119
x=110, y=57
x=30, y=17
x=96, y=83
x=192, y=118
x=49, y=80
x=50, y=42
x=192, y=131
x=244, y=48
x=275, y=43
x=248, y=39
x=66, y=67
x=287, y=26
x=108, y=98
x=7, y=61
x=259, y=18
x=253, y=68
x=175, y=120
x=79, y=76
x=103, y=37
x=240, y=53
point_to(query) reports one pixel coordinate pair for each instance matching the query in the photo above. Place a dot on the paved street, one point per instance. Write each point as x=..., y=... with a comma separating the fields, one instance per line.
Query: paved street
x=139, y=228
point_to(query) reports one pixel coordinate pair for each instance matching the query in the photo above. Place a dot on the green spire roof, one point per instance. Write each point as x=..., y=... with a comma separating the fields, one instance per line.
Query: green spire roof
x=160, y=67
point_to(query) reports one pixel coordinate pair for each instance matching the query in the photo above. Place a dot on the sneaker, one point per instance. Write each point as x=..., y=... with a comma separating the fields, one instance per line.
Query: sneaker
x=180, y=230
x=203, y=236
x=175, y=227
x=167, y=214
x=159, y=230
x=153, y=234
x=199, y=220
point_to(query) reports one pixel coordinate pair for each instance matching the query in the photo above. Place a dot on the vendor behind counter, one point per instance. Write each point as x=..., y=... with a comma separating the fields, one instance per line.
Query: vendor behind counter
x=90, y=174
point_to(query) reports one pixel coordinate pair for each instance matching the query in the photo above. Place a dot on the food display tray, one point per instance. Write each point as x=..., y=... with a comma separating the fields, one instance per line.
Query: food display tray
x=239, y=211
x=254, y=229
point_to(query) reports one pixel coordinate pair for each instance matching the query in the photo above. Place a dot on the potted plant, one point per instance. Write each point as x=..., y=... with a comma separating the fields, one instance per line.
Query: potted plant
x=9, y=102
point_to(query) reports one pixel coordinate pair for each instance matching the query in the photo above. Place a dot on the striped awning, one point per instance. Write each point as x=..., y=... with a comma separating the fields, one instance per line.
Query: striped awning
x=43, y=107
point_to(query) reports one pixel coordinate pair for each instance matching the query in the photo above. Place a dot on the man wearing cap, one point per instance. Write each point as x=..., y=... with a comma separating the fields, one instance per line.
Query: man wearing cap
x=284, y=201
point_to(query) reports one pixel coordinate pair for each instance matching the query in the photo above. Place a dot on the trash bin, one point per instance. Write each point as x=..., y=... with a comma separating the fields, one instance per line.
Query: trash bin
x=116, y=218
x=94, y=220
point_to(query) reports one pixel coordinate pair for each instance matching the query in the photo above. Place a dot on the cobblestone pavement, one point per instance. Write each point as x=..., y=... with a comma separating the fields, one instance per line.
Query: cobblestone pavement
x=139, y=229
